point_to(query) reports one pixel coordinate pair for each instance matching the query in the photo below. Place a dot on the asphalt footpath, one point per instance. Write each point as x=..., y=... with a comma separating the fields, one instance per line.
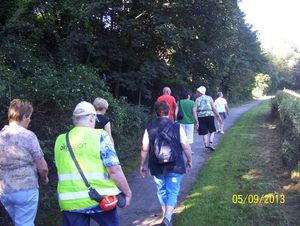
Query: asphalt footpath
x=145, y=208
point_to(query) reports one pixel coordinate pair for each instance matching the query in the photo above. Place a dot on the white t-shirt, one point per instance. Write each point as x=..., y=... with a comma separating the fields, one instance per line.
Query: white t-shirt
x=183, y=138
x=220, y=104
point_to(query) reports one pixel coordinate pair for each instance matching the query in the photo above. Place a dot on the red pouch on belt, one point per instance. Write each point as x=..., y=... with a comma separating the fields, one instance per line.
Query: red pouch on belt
x=108, y=202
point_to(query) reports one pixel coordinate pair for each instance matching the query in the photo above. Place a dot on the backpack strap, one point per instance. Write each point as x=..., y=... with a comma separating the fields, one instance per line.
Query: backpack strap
x=168, y=126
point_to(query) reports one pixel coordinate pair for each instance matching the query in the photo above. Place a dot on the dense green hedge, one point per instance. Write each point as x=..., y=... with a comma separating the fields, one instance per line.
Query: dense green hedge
x=286, y=108
x=128, y=123
x=54, y=94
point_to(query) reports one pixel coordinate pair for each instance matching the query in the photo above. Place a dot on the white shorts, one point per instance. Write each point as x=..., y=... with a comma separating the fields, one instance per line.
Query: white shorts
x=189, y=131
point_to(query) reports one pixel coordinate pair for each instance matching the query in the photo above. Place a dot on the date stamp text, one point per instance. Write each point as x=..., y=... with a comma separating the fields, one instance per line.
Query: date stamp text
x=255, y=199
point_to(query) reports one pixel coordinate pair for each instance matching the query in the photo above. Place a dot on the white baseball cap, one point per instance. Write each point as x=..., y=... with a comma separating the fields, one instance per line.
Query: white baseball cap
x=202, y=89
x=84, y=108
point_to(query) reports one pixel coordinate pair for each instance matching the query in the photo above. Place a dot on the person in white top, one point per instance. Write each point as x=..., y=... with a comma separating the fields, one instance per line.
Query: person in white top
x=222, y=108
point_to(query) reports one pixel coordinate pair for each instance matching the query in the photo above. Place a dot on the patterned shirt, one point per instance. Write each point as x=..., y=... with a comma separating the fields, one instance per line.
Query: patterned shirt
x=204, y=108
x=19, y=148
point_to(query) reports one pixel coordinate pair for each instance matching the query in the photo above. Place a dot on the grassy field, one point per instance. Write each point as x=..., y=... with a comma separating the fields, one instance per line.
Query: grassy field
x=244, y=181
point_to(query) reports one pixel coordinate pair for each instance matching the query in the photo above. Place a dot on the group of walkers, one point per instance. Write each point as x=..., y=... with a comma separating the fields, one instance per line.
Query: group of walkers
x=198, y=114
x=91, y=182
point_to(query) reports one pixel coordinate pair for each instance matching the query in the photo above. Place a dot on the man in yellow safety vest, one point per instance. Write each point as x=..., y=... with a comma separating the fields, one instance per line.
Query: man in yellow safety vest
x=100, y=165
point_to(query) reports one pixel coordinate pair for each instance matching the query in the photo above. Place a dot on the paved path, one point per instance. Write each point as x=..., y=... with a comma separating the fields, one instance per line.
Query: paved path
x=145, y=208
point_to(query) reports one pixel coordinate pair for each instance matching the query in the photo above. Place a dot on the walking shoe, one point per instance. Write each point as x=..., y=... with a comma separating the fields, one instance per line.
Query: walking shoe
x=222, y=132
x=211, y=147
x=166, y=222
x=206, y=149
x=193, y=152
x=218, y=131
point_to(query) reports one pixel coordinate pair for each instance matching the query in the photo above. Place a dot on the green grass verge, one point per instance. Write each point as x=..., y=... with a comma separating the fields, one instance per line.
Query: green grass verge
x=237, y=167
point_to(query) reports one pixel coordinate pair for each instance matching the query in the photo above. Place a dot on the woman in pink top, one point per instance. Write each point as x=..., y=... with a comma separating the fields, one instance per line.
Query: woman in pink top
x=21, y=159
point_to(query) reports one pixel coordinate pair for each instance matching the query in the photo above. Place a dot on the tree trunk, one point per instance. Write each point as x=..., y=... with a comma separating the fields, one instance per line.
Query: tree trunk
x=117, y=87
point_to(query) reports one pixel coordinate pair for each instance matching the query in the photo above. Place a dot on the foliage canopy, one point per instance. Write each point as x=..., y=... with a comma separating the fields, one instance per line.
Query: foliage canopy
x=135, y=48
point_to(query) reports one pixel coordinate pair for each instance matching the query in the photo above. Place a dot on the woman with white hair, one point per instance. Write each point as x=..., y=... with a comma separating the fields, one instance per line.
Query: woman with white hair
x=222, y=107
x=206, y=110
x=101, y=105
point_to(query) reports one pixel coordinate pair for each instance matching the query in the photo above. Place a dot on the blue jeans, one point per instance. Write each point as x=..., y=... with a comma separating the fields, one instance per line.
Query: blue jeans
x=168, y=187
x=21, y=206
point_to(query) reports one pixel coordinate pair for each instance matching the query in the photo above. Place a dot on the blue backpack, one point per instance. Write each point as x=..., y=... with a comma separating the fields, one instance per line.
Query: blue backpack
x=163, y=145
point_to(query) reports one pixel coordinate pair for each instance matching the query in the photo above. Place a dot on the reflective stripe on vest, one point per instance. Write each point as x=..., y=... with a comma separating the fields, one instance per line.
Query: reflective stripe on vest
x=88, y=176
x=85, y=194
x=71, y=189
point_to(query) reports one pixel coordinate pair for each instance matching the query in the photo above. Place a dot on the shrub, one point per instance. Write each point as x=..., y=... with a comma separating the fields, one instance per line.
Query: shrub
x=128, y=123
x=286, y=108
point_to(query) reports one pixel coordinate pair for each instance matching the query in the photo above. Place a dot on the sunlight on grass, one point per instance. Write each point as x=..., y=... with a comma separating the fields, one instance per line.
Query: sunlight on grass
x=208, y=188
x=236, y=169
x=250, y=176
x=247, y=136
x=268, y=126
x=196, y=194
x=292, y=186
x=295, y=175
x=253, y=174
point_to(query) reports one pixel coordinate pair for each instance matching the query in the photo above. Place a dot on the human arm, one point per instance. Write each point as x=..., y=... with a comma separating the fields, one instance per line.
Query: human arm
x=176, y=109
x=116, y=173
x=227, y=108
x=176, y=113
x=107, y=128
x=144, y=152
x=42, y=168
x=111, y=162
x=186, y=148
x=213, y=106
x=188, y=154
x=195, y=116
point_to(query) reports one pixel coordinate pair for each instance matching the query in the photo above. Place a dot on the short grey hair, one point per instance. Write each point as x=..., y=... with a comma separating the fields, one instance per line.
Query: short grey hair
x=100, y=103
x=81, y=119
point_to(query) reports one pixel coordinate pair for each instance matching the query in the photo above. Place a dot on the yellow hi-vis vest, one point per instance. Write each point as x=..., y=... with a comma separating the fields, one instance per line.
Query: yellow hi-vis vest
x=71, y=189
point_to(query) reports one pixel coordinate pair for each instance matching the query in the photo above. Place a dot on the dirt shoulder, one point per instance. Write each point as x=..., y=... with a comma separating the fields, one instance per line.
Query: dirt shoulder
x=145, y=208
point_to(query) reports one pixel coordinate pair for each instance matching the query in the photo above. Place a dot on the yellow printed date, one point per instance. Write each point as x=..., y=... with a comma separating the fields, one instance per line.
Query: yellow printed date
x=263, y=199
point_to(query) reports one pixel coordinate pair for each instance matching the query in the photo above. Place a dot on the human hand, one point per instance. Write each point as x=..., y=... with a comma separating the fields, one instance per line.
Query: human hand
x=143, y=171
x=44, y=181
x=190, y=165
x=219, y=120
x=128, y=200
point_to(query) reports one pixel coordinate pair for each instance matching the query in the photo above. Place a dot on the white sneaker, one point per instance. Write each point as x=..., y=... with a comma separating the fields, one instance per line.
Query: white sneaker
x=218, y=131
x=222, y=132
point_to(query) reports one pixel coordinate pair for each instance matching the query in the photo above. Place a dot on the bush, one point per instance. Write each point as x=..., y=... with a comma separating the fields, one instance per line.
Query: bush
x=286, y=108
x=128, y=123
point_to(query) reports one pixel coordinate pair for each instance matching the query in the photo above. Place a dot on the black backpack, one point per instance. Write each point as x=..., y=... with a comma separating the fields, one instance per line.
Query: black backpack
x=180, y=113
x=163, y=148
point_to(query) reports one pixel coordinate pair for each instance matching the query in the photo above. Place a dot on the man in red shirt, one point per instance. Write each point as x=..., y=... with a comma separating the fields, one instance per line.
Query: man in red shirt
x=171, y=101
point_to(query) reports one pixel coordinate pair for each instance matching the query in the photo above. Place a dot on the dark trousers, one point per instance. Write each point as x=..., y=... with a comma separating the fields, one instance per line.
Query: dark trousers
x=107, y=218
